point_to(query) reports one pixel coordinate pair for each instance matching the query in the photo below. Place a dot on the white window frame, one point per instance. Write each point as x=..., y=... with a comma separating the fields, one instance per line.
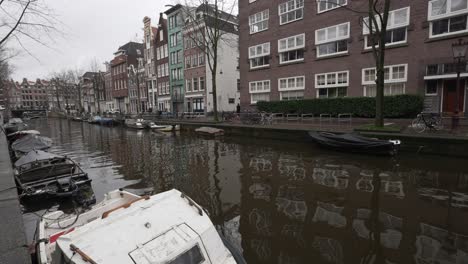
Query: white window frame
x=391, y=79
x=265, y=91
x=336, y=84
x=391, y=26
x=431, y=25
x=293, y=48
x=289, y=11
x=446, y=14
x=329, y=9
x=332, y=40
x=253, y=55
x=431, y=94
x=295, y=88
x=264, y=13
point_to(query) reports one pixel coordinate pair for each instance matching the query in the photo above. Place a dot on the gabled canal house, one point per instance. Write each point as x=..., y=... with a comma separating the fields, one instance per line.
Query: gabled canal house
x=309, y=49
x=162, y=66
x=150, y=33
x=176, y=18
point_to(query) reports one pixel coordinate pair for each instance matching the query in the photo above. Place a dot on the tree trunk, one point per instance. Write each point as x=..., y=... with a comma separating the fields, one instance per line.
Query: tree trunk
x=215, y=97
x=58, y=98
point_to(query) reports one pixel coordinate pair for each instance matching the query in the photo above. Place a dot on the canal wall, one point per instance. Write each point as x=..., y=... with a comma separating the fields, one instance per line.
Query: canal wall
x=13, y=247
x=420, y=144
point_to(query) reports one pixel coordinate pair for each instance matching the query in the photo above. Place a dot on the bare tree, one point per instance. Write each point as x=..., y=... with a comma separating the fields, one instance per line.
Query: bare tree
x=209, y=24
x=26, y=19
x=66, y=83
x=375, y=23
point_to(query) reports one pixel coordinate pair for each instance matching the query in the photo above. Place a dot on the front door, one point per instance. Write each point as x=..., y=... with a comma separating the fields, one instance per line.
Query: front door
x=450, y=96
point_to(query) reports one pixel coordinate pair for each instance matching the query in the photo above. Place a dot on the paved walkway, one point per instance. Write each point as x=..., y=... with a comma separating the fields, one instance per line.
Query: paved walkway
x=12, y=236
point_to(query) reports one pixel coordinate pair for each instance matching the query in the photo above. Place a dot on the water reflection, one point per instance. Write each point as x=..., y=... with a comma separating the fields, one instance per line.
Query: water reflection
x=281, y=202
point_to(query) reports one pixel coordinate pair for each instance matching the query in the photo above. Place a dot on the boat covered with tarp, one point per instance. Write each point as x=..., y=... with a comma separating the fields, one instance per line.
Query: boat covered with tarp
x=43, y=173
x=352, y=142
x=30, y=142
x=14, y=125
x=19, y=134
x=125, y=228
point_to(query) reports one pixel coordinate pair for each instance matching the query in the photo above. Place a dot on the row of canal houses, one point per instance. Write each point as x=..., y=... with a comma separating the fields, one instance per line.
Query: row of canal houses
x=169, y=71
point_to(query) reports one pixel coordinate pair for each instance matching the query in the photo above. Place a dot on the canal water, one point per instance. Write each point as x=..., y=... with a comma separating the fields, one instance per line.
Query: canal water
x=283, y=202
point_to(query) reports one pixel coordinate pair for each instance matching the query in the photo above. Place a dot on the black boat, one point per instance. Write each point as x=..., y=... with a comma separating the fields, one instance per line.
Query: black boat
x=42, y=173
x=14, y=125
x=355, y=143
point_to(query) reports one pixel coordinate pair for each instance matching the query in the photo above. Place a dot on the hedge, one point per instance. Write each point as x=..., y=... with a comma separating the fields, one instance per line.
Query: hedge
x=394, y=106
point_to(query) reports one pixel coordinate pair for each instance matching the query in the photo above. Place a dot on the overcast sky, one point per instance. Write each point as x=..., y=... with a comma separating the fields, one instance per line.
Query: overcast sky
x=93, y=28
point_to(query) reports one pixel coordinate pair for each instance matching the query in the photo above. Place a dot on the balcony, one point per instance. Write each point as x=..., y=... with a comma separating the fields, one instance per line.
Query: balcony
x=444, y=69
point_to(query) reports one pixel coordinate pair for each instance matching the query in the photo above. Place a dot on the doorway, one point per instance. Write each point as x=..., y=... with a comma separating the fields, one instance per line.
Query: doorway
x=450, y=96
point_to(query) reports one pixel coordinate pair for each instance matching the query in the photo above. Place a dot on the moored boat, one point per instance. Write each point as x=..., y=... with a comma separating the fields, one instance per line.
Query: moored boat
x=170, y=128
x=134, y=123
x=209, y=131
x=94, y=120
x=351, y=142
x=20, y=134
x=106, y=121
x=43, y=173
x=28, y=143
x=125, y=228
x=14, y=125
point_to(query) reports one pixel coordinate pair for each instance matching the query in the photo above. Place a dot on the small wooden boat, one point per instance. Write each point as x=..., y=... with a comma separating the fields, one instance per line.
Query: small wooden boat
x=151, y=125
x=14, y=125
x=170, y=128
x=43, y=173
x=20, y=134
x=126, y=228
x=209, y=131
x=355, y=143
x=135, y=123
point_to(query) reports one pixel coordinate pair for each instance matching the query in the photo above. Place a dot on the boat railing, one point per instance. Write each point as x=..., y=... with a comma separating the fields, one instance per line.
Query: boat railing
x=107, y=213
x=192, y=203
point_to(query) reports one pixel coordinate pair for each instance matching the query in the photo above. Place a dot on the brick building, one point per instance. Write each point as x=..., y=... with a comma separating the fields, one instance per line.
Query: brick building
x=109, y=100
x=162, y=66
x=34, y=94
x=150, y=33
x=307, y=49
x=125, y=56
x=10, y=95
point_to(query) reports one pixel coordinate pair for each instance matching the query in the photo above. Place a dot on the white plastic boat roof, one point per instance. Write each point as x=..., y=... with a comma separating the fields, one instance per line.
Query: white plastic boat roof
x=156, y=230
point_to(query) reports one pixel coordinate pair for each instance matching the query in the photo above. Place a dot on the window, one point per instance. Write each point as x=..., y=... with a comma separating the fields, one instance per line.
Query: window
x=178, y=38
x=201, y=59
x=188, y=62
x=231, y=100
x=395, y=77
x=332, y=40
x=431, y=87
x=259, y=91
x=172, y=40
x=195, y=84
x=291, y=49
x=193, y=255
x=189, y=85
x=398, y=22
x=332, y=84
x=259, y=21
x=173, y=58
x=447, y=17
x=179, y=56
x=202, y=83
x=291, y=11
x=291, y=88
x=161, y=35
x=194, y=60
x=326, y=5
x=259, y=56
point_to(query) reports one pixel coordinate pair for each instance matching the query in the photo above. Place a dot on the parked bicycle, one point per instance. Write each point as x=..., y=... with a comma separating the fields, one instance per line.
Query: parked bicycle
x=423, y=121
x=262, y=118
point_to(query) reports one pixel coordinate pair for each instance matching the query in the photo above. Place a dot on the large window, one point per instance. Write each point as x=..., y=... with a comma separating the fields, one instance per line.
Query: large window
x=291, y=49
x=397, y=28
x=259, y=21
x=447, y=17
x=326, y=5
x=259, y=55
x=291, y=11
x=332, y=40
x=395, y=78
x=291, y=88
x=332, y=84
x=259, y=91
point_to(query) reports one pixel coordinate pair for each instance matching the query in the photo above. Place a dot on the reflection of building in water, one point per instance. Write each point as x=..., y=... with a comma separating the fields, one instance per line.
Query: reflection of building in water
x=290, y=201
x=458, y=200
x=260, y=191
x=330, y=249
x=390, y=236
x=437, y=245
x=261, y=221
x=287, y=259
x=232, y=234
x=389, y=185
x=261, y=163
x=329, y=213
x=262, y=247
x=291, y=167
x=331, y=176
x=295, y=232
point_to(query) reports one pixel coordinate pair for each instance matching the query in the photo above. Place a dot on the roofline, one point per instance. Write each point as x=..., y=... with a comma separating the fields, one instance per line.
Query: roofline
x=173, y=9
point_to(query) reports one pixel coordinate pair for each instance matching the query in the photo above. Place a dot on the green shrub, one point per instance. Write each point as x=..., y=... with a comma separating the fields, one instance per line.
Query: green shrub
x=394, y=106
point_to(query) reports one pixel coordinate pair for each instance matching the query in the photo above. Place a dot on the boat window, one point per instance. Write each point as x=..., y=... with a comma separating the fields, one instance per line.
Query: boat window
x=192, y=256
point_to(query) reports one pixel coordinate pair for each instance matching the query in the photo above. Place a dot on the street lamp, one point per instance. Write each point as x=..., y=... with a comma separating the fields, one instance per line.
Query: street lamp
x=459, y=54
